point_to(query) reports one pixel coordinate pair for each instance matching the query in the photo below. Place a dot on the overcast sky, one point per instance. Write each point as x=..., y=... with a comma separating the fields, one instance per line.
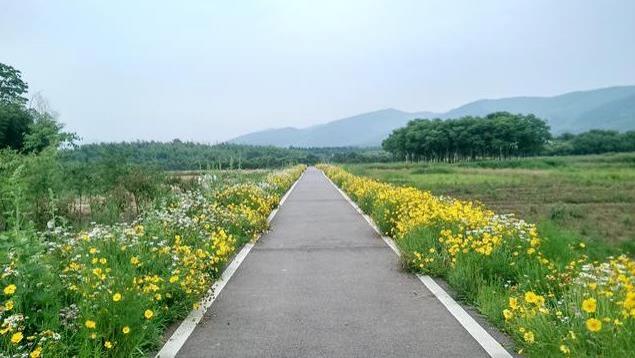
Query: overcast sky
x=211, y=70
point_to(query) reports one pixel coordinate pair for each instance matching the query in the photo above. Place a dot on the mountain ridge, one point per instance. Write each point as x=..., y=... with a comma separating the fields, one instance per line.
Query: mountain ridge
x=577, y=111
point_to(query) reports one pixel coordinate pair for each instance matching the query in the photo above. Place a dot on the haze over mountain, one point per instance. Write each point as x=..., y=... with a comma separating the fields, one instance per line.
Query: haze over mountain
x=605, y=108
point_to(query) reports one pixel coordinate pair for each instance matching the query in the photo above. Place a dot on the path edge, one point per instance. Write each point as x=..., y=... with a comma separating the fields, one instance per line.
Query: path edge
x=491, y=346
x=176, y=341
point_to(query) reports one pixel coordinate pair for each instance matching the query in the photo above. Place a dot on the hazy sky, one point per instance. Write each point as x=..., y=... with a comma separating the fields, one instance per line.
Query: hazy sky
x=211, y=70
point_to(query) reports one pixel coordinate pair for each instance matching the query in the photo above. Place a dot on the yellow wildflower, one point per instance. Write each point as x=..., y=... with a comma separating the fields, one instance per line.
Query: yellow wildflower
x=529, y=337
x=148, y=314
x=531, y=297
x=629, y=301
x=116, y=297
x=507, y=314
x=17, y=337
x=593, y=325
x=90, y=324
x=9, y=290
x=125, y=330
x=513, y=303
x=589, y=305
x=37, y=352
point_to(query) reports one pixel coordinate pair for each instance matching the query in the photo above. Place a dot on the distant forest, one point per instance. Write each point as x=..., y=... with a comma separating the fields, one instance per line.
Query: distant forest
x=28, y=128
x=499, y=135
x=178, y=155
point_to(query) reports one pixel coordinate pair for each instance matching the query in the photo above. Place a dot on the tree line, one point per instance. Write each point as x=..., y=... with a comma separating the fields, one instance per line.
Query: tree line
x=595, y=141
x=497, y=135
x=179, y=155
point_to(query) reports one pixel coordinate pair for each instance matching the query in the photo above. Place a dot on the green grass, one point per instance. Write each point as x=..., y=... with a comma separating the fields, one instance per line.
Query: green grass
x=577, y=197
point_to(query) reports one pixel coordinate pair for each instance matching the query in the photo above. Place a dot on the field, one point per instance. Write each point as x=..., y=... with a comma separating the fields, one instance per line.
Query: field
x=589, y=197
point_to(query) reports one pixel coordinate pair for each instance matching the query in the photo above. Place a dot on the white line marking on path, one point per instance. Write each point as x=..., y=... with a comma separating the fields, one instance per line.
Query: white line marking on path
x=185, y=329
x=489, y=344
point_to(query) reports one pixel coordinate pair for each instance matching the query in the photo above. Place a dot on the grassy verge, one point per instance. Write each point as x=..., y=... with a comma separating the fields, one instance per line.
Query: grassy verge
x=554, y=294
x=111, y=290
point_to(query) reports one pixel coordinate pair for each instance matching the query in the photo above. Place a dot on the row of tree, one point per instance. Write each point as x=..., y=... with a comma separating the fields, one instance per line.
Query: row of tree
x=592, y=142
x=497, y=135
x=178, y=155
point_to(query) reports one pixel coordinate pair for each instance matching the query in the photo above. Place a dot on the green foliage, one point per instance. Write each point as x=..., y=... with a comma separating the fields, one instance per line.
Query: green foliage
x=497, y=135
x=15, y=121
x=592, y=142
x=38, y=188
x=45, y=132
x=26, y=129
x=12, y=87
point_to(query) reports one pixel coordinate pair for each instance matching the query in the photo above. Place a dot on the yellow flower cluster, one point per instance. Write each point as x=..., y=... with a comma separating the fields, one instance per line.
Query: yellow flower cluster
x=464, y=227
x=123, y=283
x=581, y=307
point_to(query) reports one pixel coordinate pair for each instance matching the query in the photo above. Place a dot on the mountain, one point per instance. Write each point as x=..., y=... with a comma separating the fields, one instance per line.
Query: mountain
x=605, y=108
x=363, y=130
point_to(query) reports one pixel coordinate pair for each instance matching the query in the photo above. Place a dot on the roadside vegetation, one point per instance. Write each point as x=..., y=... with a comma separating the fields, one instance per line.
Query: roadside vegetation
x=102, y=246
x=553, y=295
x=98, y=255
x=588, y=198
x=111, y=290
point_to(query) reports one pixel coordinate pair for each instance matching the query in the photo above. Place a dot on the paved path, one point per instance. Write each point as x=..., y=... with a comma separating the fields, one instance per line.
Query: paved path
x=322, y=283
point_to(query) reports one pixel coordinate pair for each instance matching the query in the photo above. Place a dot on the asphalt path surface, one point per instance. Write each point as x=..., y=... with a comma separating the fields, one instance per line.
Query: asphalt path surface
x=322, y=283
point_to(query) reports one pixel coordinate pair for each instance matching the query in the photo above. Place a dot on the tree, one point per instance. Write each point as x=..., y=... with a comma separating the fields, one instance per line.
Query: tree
x=498, y=135
x=46, y=132
x=15, y=121
x=12, y=87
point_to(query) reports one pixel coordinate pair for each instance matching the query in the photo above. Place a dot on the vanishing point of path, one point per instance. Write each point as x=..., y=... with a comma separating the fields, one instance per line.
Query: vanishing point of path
x=322, y=283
